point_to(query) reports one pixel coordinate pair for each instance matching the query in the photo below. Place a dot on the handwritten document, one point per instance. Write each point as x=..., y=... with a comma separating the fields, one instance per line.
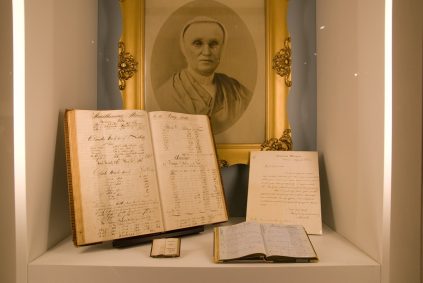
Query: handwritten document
x=189, y=177
x=133, y=173
x=120, y=195
x=284, y=188
x=287, y=240
x=240, y=240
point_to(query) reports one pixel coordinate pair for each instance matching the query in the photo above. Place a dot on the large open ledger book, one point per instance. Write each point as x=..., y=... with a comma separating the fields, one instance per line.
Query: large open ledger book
x=284, y=188
x=134, y=173
x=255, y=242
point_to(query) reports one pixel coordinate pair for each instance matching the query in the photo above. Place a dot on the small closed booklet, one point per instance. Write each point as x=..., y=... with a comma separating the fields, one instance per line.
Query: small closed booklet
x=257, y=242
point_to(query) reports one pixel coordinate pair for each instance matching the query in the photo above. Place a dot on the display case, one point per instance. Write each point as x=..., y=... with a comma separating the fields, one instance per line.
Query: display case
x=369, y=125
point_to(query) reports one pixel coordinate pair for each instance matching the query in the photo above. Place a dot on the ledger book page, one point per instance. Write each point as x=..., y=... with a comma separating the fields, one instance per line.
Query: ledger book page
x=117, y=180
x=189, y=178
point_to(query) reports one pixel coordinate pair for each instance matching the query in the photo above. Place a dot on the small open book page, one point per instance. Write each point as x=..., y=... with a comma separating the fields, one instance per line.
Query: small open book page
x=286, y=240
x=250, y=241
x=240, y=240
x=166, y=247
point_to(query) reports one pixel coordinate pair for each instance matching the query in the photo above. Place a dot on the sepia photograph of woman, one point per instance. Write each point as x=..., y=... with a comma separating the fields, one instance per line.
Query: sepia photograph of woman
x=198, y=88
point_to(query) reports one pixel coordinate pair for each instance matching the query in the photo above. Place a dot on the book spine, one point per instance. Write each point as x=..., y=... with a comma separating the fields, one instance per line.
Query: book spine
x=69, y=175
x=216, y=250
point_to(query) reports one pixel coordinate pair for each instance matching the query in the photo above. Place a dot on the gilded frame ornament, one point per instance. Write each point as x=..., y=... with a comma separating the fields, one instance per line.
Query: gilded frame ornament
x=278, y=76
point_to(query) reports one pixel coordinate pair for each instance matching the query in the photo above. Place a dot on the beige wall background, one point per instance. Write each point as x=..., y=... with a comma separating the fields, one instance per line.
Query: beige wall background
x=7, y=207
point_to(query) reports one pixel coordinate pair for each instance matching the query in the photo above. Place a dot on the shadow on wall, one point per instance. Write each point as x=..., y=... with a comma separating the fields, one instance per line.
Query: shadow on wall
x=59, y=191
x=235, y=184
x=109, y=21
x=327, y=209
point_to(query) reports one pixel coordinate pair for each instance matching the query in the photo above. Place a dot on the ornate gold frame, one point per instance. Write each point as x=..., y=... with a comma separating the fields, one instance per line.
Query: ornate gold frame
x=278, y=76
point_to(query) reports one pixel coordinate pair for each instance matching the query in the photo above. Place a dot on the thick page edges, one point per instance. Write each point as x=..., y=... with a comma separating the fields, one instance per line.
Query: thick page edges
x=72, y=169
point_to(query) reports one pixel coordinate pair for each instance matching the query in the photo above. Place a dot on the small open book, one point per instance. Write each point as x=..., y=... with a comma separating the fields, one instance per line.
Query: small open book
x=166, y=247
x=255, y=242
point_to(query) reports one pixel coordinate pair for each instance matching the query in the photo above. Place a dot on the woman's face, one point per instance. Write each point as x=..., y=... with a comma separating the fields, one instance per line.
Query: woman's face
x=202, y=43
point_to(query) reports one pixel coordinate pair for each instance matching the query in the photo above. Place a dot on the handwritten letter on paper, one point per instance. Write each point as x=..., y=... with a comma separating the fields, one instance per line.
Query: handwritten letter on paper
x=284, y=188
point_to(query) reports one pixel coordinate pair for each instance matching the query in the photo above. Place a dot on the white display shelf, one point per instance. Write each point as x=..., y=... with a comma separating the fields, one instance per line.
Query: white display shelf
x=339, y=261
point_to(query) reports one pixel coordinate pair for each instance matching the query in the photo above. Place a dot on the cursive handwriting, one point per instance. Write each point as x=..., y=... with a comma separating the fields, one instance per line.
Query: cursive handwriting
x=121, y=194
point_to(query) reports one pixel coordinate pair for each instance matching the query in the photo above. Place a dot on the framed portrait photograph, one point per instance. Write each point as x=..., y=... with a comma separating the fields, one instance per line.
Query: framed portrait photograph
x=227, y=59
